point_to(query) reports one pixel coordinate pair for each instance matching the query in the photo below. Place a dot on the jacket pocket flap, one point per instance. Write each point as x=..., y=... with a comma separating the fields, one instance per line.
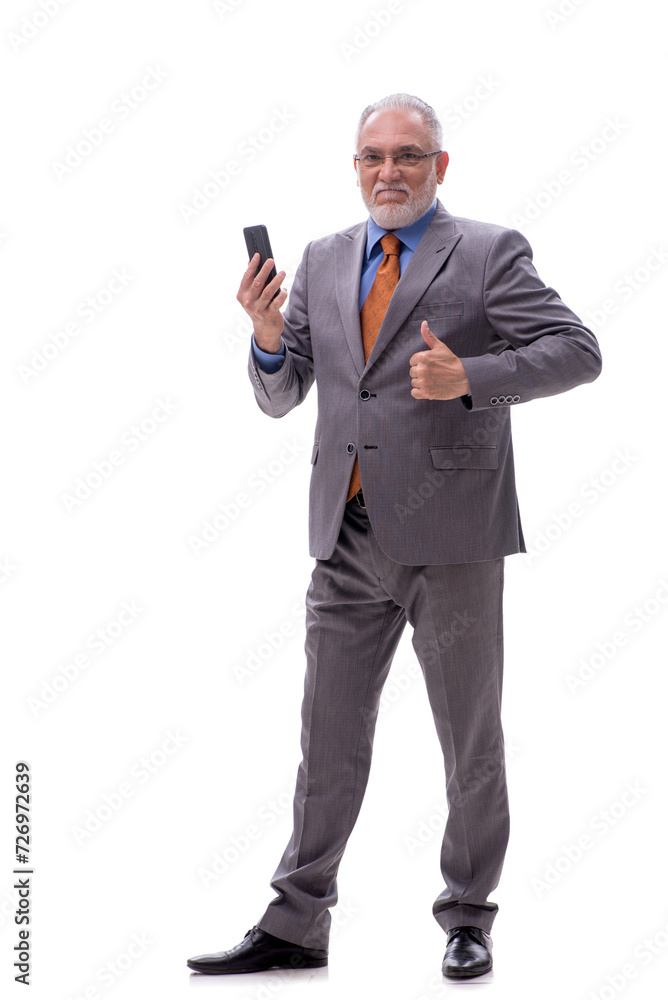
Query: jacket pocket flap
x=475, y=457
x=429, y=310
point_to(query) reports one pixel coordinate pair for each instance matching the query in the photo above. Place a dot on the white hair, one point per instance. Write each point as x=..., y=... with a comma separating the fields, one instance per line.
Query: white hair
x=405, y=102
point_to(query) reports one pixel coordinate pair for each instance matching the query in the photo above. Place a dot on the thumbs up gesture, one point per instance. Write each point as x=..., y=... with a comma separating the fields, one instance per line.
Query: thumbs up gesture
x=437, y=373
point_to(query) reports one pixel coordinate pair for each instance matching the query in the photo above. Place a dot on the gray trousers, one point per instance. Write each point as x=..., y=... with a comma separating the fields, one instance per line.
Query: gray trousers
x=357, y=605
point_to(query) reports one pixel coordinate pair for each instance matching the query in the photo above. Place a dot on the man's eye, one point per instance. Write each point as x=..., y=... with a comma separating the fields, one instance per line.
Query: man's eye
x=409, y=158
x=371, y=158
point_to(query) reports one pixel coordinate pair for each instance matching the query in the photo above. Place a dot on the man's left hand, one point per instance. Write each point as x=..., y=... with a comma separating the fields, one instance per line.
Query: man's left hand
x=437, y=373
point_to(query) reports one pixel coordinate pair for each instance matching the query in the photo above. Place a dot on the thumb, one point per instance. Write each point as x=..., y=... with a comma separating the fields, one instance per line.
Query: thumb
x=429, y=337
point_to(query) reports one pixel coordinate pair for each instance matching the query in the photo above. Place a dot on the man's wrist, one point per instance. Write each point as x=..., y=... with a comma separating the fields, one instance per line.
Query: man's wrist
x=268, y=350
x=268, y=361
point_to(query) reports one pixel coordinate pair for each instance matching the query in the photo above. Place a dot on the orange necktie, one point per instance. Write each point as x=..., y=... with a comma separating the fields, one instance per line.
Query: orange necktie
x=373, y=312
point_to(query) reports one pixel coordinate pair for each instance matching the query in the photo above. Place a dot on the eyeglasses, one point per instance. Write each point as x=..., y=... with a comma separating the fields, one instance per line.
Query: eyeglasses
x=370, y=160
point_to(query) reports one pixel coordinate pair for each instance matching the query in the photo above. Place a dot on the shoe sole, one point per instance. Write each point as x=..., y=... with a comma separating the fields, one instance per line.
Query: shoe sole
x=317, y=963
x=465, y=975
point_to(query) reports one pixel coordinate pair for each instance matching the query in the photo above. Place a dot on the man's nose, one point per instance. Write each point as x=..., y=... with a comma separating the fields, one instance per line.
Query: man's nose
x=389, y=170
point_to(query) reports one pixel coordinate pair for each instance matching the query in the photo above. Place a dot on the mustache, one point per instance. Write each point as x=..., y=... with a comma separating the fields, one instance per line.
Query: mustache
x=380, y=186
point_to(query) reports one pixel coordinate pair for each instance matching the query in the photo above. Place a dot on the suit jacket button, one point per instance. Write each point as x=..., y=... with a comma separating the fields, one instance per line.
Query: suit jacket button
x=364, y=394
x=494, y=400
x=350, y=448
x=516, y=399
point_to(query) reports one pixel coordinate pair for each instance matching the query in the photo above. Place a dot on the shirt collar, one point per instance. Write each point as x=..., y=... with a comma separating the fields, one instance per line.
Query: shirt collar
x=410, y=235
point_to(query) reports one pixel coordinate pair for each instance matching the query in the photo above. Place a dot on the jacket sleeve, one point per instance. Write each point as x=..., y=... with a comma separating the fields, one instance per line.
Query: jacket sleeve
x=278, y=392
x=542, y=348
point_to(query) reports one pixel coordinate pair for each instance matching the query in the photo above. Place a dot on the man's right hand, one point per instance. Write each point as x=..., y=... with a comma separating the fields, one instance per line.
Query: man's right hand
x=266, y=315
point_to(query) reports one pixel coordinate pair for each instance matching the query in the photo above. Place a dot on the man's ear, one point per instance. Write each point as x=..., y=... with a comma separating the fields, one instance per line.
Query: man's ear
x=442, y=161
x=355, y=166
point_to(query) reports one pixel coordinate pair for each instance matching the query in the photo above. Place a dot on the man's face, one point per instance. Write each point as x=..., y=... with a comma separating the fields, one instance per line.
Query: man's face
x=397, y=196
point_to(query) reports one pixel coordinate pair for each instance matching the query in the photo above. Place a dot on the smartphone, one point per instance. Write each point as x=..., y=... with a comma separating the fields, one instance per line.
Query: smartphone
x=257, y=241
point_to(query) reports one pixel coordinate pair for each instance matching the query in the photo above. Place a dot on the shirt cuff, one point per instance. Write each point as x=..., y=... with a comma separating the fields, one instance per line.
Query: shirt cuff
x=269, y=363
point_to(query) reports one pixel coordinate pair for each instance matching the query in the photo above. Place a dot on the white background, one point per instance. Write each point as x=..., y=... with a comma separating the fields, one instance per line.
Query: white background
x=527, y=97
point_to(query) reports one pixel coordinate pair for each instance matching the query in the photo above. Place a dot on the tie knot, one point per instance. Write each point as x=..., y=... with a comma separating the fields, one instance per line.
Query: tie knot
x=391, y=244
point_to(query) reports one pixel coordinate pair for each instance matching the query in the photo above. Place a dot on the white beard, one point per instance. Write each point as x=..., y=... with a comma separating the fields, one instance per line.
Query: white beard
x=392, y=215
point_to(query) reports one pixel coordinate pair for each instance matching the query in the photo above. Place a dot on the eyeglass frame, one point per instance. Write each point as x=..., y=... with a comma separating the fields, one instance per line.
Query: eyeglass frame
x=394, y=157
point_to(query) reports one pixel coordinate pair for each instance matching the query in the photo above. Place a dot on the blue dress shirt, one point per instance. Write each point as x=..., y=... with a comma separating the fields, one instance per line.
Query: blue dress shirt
x=410, y=236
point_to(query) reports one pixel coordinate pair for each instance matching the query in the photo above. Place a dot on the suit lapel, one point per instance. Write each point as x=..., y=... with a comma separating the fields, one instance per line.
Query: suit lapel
x=431, y=254
x=349, y=252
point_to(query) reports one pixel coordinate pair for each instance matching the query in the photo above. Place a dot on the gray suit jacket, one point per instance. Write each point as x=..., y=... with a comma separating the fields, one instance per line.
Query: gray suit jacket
x=437, y=475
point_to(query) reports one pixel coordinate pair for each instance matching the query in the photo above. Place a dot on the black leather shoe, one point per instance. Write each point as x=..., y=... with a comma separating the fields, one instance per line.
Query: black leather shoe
x=469, y=953
x=257, y=952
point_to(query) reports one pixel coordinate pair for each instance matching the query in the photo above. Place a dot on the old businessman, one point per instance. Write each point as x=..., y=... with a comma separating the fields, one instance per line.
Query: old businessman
x=422, y=330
